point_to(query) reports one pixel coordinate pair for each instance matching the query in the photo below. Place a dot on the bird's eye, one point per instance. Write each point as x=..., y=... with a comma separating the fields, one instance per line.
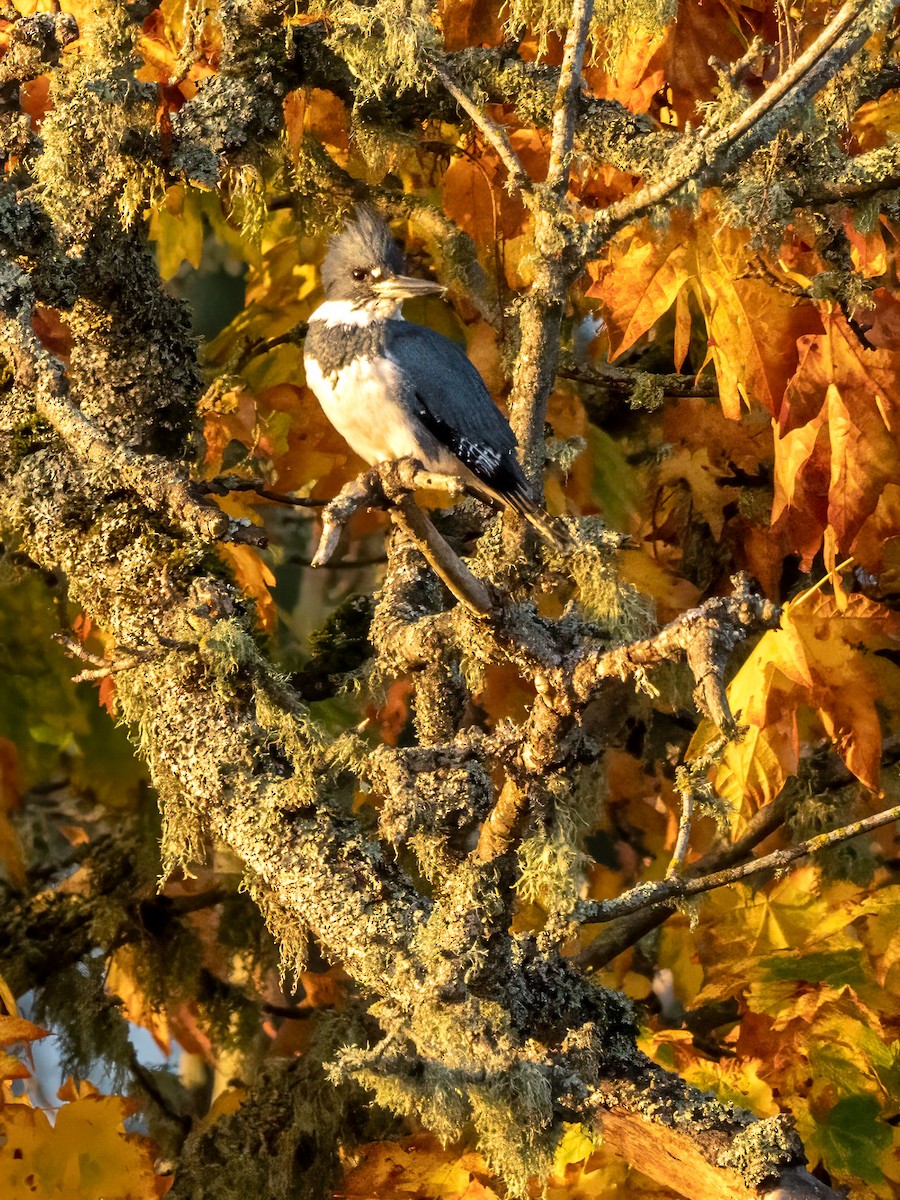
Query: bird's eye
x=360, y=273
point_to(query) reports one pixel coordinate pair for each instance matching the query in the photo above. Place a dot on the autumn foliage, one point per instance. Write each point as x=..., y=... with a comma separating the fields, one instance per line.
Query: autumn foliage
x=728, y=400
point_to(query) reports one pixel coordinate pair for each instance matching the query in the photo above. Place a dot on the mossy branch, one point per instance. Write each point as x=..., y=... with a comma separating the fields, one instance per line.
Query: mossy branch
x=708, y=156
x=647, y=895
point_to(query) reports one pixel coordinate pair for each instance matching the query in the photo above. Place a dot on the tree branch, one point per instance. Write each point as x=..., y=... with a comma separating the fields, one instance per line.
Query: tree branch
x=566, y=104
x=646, y=895
x=622, y=381
x=713, y=153
x=494, y=134
x=467, y=1006
x=622, y=932
x=388, y=485
x=661, y=1129
x=466, y=587
x=826, y=775
x=158, y=485
x=704, y=636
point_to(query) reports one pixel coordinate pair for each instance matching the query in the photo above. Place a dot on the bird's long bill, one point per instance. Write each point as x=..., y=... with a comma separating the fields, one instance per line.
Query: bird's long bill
x=404, y=287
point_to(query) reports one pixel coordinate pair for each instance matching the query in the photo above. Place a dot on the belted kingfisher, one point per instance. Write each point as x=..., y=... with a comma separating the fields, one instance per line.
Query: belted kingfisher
x=393, y=389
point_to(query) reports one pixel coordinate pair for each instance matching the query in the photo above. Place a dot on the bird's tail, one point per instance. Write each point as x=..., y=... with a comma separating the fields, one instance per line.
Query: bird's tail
x=550, y=528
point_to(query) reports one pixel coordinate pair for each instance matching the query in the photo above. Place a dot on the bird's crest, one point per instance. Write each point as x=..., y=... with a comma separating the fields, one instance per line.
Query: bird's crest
x=365, y=241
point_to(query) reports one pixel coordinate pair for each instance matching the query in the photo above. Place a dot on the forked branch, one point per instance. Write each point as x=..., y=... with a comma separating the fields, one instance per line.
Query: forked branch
x=647, y=895
x=715, y=152
x=703, y=636
x=389, y=485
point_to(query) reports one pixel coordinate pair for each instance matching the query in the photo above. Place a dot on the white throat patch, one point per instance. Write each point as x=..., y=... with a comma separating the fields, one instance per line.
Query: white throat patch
x=343, y=312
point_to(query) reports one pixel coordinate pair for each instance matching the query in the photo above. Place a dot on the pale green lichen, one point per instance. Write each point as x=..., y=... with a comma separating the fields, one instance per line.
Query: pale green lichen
x=553, y=859
x=385, y=46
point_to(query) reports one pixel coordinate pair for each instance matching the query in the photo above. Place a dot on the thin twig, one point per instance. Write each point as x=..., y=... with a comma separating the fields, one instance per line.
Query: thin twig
x=110, y=666
x=102, y=666
x=147, y=1083
x=113, y=667
x=347, y=564
x=565, y=107
x=646, y=895
x=623, y=932
x=684, y=833
x=623, y=380
x=292, y=337
x=689, y=780
x=493, y=133
x=224, y=485
x=75, y=649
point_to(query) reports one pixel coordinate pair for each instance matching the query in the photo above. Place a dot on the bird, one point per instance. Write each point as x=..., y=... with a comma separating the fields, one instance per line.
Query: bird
x=395, y=389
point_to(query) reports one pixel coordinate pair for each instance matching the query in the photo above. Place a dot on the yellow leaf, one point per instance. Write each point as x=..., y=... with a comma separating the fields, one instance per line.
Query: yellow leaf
x=868, y=252
x=17, y=1029
x=740, y=926
x=226, y=1103
x=86, y=1155
x=751, y=328
x=821, y=659
x=839, y=438
x=640, y=281
x=177, y=228
x=703, y=477
x=474, y=194
x=877, y=120
x=575, y=1146
x=418, y=1166
x=732, y=1080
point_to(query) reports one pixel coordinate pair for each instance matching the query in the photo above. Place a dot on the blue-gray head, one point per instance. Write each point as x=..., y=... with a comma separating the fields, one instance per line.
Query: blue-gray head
x=364, y=266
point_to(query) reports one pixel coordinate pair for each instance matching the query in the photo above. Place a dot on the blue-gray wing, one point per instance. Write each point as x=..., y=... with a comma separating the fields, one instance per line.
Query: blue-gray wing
x=454, y=404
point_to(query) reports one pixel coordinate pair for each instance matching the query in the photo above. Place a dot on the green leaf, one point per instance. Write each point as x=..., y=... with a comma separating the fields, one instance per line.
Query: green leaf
x=852, y=1139
x=837, y=968
x=617, y=486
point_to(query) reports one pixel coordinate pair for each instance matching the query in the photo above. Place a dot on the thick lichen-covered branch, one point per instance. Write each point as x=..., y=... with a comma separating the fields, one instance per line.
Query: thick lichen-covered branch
x=161, y=486
x=704, y=637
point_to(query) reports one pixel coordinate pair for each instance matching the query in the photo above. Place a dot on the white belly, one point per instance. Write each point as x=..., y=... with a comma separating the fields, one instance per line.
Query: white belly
x=360, y=401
